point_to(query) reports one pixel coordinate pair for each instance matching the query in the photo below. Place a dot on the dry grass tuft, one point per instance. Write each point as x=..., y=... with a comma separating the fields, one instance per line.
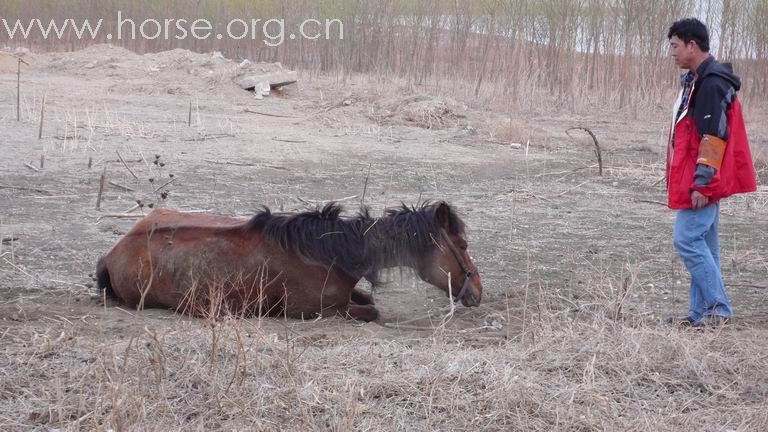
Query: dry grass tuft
x=422, y=111
x=519, y=131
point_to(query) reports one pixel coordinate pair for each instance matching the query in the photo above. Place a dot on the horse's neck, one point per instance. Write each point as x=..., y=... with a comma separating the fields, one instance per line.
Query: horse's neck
x=391, y=246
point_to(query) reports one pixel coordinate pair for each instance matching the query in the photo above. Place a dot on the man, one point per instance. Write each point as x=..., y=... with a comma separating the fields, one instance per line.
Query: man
x=708, y=159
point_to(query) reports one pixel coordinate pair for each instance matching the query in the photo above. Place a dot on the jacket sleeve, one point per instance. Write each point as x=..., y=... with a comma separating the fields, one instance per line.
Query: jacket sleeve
x=713, y=99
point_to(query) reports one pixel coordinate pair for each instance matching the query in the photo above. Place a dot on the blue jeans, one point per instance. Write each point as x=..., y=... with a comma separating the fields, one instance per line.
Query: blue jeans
x=697, y=242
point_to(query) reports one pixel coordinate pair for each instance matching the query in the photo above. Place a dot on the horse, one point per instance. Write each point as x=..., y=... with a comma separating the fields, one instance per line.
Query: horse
x=299, y=265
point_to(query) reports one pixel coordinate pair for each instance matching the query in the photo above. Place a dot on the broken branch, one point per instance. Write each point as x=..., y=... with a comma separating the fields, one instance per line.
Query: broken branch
x=597, y=146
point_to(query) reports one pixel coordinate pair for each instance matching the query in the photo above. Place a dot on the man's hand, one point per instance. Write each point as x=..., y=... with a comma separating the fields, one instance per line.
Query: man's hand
x=699, y=200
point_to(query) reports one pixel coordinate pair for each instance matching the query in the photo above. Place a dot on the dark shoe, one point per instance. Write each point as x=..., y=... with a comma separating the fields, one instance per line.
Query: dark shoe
x=711, y=321
x=680, y=321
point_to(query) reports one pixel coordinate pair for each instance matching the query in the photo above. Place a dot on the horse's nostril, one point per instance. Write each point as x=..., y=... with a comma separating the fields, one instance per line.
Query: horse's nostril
x=478, y=296
x=473, y=300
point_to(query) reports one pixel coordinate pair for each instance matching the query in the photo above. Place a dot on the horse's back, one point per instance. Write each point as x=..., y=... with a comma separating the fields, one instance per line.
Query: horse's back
x=162, y=219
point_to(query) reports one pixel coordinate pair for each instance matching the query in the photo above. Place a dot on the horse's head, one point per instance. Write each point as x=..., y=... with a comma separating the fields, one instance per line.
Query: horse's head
x=447, y=264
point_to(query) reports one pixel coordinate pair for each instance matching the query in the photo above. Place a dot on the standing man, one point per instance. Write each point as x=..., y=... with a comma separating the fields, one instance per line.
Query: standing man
x=708, y=159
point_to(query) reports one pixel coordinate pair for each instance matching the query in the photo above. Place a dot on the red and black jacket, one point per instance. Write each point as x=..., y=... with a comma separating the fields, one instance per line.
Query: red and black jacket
x=708, y=111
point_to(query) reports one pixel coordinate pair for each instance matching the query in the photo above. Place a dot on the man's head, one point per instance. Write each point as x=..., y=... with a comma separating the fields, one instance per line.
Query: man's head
x=688, y=42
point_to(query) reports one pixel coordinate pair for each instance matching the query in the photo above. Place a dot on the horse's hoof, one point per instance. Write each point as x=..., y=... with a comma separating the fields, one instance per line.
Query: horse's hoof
x=365, y=313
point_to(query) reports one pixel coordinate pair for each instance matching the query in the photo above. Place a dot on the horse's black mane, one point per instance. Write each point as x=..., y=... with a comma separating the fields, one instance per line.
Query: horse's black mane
x=359, y=245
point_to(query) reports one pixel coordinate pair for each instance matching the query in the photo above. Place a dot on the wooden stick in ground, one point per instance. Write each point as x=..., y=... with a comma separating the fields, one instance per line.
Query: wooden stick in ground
x=118, y=185
x=42, y=117
x=365, y=186
x=101, y=188
x=245, y=164
x=166, y=184
x=125, y=165
x=209, y=136
x=90, y=162
x=18, y=89
x=189, y=120
x=42, y=191
x=248, y=110
x=597, y=146
x=323, y=202
x=42, y=161
x=132, y=209
x=652, y=202
x=229, y=163
x=121, y=216
x=289, y=140
x=18, y=93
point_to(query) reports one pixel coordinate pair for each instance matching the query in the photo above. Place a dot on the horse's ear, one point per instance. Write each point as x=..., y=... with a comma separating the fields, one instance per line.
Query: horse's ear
x=443, y=215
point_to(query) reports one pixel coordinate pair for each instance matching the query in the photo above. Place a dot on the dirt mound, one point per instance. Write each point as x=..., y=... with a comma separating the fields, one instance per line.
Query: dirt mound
x=84, y=62
x=9, y=62
x=174, y=71
x=422, y=111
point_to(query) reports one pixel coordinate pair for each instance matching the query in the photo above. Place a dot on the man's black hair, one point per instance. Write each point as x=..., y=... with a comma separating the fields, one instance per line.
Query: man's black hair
x=690, y=29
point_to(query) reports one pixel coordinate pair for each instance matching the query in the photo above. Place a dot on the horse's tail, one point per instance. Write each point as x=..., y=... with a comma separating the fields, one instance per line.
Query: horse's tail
x=102, y=278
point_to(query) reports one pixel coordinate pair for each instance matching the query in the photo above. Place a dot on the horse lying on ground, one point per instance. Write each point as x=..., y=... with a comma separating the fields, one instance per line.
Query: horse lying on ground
x=300, y=265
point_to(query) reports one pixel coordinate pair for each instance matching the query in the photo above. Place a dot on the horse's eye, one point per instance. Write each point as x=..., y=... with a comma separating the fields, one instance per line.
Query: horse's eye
x=463, y=246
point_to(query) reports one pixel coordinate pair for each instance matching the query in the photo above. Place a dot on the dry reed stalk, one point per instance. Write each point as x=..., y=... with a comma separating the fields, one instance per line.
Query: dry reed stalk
x=102, y=181
x=119, y=186
x=42, y=116
x=126, y=166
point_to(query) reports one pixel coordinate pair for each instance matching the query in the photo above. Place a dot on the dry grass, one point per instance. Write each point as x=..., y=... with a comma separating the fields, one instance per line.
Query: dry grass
x=761, y=164
x=512, y=130
x=422, y=111
x=568, y=370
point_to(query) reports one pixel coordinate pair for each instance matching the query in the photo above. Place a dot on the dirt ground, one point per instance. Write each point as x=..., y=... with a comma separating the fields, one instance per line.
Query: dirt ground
x=544, y=229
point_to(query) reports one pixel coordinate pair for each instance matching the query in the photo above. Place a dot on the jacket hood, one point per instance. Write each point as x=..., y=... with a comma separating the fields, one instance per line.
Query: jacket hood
x=712, y=67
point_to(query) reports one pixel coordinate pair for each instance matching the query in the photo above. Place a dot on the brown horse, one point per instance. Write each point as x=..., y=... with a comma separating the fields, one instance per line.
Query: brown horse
x=299, y=265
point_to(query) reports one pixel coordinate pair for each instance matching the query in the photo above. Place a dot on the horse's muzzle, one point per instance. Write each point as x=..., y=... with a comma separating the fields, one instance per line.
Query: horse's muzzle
x=470, y=295
x=470, y=300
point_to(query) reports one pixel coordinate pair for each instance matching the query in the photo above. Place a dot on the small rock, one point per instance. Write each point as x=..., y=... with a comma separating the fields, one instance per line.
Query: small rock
x=453, y=368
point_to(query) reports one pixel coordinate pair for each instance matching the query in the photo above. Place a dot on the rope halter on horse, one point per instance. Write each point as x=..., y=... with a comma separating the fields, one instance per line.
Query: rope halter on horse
x=468, y=273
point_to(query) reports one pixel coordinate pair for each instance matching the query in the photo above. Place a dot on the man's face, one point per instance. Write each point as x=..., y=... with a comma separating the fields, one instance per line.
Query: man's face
x=683, y=53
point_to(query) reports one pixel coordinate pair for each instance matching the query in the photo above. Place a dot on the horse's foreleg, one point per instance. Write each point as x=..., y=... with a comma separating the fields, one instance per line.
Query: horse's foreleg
x=362, y=312
x=361, y=297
